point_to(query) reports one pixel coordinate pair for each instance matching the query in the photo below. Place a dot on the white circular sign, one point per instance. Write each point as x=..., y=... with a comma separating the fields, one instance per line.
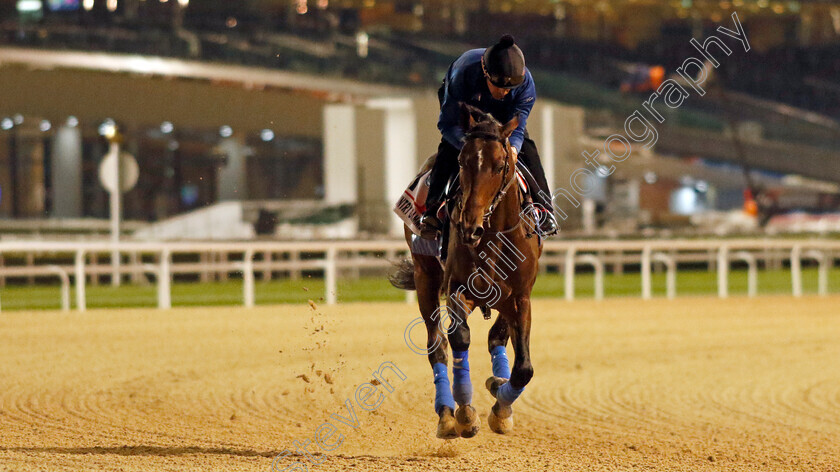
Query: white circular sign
x=129, y=172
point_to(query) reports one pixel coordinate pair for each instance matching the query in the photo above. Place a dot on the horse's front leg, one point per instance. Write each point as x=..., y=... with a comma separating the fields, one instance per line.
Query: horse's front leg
x=428, y=278
x=506, y=392
x=462, y=389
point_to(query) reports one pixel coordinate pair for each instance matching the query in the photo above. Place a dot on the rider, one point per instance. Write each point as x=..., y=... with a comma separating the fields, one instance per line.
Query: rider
x=496, y=81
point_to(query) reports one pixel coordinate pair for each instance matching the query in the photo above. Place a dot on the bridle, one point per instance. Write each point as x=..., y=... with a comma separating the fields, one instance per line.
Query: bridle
x=504, y=187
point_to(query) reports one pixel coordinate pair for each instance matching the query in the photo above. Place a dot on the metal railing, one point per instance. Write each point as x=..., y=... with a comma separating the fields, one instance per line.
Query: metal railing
x=329, y=258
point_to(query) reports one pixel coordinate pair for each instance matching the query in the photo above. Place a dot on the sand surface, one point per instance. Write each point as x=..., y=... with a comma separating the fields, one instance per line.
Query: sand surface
x=691, y=384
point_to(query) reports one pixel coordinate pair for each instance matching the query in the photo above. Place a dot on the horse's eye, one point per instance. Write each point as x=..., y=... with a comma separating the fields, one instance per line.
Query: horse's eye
x=498, y=169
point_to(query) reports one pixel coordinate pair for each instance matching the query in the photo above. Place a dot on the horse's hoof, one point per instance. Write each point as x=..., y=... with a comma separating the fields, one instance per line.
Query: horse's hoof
x=493, y=384
x=501, y=425
x=467, y=421
x=447, y=426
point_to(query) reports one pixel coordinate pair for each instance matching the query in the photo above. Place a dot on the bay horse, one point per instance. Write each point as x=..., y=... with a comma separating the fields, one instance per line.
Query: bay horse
x=491, y=263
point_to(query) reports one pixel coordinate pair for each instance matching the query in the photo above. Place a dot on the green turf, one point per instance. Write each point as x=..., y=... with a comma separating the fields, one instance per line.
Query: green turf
x=378, y=289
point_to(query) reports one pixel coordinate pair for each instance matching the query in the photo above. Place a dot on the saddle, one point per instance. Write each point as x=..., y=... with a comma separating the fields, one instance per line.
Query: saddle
x=412, y=204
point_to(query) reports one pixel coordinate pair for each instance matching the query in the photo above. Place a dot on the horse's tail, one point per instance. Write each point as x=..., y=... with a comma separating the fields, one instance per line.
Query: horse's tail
x=403, y=275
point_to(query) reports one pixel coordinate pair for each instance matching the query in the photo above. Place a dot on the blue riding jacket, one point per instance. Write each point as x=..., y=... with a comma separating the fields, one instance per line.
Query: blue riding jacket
x=465, y=82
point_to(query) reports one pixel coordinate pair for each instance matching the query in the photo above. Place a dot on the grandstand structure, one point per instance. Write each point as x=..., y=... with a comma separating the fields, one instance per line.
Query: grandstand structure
x=334, y=105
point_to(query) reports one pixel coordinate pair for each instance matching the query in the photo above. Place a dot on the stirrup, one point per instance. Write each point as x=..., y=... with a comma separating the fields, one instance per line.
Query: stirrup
x=547, y=225
x=430, y=227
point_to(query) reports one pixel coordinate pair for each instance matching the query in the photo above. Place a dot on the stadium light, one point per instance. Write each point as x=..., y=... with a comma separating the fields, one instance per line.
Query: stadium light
x=111, y=5
x=183, y=3
x=87, y=5
x=362, y=40
x=28, y=6
x=108, y=128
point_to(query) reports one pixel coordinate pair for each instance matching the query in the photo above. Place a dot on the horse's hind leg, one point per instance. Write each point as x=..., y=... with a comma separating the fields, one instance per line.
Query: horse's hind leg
x=459, y=339
x=428, y=279
x=519, y=324
x=500, y=419
x=497, y=339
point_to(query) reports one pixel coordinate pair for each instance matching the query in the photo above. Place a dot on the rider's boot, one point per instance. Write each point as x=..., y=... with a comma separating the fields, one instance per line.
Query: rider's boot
x=546, y=223
x=430, y=224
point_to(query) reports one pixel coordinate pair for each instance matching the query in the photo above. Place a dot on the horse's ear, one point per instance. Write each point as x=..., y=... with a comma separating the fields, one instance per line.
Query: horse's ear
x=468, y=115
x=508, y=127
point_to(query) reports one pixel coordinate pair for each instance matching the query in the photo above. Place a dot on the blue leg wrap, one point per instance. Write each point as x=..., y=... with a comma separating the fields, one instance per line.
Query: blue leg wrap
x=507, y=394
x=501, y=367
x=443, y=394
x=462, y=388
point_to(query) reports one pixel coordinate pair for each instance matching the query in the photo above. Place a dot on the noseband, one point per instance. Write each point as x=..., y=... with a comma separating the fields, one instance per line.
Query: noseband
x=504, y=187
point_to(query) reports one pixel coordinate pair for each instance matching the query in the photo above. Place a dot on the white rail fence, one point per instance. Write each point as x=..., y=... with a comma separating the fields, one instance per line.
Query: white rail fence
x=330, y=258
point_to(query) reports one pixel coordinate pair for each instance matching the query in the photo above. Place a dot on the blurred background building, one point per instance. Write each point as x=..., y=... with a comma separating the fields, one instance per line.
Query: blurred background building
x=305, y=118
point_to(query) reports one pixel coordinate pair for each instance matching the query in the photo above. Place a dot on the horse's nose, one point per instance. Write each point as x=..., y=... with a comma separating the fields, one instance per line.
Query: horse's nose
x=473, y=235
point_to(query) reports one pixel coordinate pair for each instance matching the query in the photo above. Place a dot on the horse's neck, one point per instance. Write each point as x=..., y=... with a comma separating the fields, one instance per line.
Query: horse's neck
x=506, y=214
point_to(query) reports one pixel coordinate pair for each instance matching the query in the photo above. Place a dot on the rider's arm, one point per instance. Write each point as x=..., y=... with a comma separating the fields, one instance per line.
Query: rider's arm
x=525, y=97
x=449, y=122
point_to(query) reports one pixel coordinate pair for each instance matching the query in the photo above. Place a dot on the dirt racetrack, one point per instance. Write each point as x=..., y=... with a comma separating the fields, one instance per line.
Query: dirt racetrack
x=692, y=384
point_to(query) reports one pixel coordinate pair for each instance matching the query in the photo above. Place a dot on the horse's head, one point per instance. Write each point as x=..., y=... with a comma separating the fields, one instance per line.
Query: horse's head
x=487, y=167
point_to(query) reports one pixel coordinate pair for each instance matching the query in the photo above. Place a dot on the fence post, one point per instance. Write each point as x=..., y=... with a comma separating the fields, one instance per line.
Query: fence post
x=248, y=278
x=164, y=277
x=206, y=260
x=825, y=265
x=268, y=257
x=647, y=291
x=224, y=258
x=330, y=283
x=723, y=271
x=796, y=270
x=294, y=258
x=752, y=272
x=137, y=273
x=822, y=260
x=30, y=262
x=599, y=280
x=81, y=302
x=670, y=274
x=65, y=286
x=570, y=273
